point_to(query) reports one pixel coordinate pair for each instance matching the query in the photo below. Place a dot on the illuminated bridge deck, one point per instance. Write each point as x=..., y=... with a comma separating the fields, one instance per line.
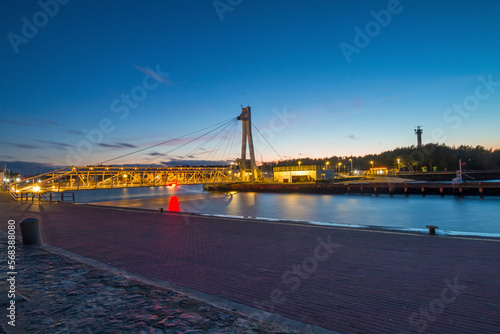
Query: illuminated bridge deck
x=110, y=177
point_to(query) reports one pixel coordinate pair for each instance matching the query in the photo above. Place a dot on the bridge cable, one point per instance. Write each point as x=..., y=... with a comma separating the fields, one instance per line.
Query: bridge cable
x=192, y=140
x=168, y=141
x=267, y=142
x=217, y=147
x=224, y=126
x=230, y=143
x=194, y=150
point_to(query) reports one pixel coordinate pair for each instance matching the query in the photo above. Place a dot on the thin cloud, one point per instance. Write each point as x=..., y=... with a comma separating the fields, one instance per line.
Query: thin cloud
x=352, y=137
x=36, y=122
x=8, y=121
x=127, y=145
x=26, y=146
x=44, y=121
x=57, y=145
x=163, y=80
x=116, y=145
x=29, y=146
x=74, y=132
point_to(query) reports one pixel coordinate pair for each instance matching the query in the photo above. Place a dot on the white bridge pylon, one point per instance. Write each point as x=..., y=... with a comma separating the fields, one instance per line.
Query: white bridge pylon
x=248, y=167
x=109, y=177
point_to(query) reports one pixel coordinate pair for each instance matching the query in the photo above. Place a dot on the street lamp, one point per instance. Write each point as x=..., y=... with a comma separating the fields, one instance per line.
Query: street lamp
x=326, y=164
x=350, y=173
x=373, y=172
x=340, y=164
x=299, y=164
x=399, y=160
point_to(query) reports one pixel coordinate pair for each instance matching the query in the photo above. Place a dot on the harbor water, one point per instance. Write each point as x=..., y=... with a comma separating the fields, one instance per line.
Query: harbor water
x=453, y=215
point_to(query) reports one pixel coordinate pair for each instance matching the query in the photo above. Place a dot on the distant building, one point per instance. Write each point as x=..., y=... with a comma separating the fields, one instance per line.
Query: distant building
x=377, y=171
x=7, y=177
x=306, y=173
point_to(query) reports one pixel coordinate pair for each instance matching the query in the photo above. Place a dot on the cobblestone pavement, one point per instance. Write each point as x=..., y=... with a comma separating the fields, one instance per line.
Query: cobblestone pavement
x=56, y=294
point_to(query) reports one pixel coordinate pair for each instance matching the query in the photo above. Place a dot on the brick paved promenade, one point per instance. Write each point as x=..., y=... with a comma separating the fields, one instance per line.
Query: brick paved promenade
x=344, y=280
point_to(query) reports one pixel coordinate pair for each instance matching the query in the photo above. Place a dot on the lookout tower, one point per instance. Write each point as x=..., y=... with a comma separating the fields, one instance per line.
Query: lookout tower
x=419, y=131
x=248, y=167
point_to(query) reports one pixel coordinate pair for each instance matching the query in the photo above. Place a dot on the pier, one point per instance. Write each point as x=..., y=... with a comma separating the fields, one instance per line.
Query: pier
x=373, y=188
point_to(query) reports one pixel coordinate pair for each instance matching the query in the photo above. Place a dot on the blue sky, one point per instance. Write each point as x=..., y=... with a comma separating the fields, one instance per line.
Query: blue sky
x=429, y=63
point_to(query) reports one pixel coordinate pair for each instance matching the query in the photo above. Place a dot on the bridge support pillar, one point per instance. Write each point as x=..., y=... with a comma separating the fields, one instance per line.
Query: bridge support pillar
x=244, y=164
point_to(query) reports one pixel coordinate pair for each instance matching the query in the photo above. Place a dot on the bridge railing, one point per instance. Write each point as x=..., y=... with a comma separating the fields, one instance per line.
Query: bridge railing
x=108, y=177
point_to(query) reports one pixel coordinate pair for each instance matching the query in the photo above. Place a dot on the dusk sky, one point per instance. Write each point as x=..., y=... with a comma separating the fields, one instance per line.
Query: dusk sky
x=322, y=78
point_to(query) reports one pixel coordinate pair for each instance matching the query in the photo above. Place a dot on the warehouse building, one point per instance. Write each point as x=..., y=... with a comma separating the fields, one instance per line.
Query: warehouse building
x=306, y=173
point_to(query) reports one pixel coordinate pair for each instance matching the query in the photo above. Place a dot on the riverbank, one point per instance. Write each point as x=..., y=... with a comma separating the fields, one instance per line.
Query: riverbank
x=329, y=278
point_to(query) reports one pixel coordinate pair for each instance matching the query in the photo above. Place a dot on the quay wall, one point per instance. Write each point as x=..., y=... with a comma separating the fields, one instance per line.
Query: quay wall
x=465, y=189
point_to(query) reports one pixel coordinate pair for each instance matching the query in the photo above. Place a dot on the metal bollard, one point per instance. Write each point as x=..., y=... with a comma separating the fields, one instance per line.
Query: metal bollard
x=30, y=231
x=432, y=229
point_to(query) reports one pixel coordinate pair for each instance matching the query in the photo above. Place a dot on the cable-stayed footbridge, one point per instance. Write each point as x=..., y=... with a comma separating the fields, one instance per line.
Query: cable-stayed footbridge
x=105, y=176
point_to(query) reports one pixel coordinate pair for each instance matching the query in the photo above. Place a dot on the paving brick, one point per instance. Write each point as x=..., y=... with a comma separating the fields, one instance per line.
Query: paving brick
x=372, y=283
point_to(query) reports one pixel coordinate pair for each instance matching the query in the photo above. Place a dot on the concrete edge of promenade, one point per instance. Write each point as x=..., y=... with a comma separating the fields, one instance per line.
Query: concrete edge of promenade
x=367, y=228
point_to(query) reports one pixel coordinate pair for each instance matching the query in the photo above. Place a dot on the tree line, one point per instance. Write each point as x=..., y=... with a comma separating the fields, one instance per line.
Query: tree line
x=432, y=156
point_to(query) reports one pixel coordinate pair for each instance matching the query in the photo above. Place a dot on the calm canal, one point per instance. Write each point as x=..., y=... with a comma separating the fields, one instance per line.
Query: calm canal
x=469, y=215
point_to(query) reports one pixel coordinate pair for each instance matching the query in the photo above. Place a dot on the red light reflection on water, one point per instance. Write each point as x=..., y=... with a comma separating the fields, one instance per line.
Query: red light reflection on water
x=173, y=204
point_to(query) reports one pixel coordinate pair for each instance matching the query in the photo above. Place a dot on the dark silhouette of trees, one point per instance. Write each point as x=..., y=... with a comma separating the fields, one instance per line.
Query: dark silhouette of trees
x=437, y=156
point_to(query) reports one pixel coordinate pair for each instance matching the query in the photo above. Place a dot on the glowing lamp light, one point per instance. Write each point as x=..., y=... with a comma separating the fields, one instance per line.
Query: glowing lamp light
x=36, y=188
x=171, y=185
x=18, y=179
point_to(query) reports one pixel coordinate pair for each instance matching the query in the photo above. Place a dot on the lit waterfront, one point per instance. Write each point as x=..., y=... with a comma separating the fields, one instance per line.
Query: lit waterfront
x=470, y=214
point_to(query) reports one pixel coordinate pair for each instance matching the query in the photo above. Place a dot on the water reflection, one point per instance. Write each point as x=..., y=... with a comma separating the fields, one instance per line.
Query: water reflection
x=449, y=213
